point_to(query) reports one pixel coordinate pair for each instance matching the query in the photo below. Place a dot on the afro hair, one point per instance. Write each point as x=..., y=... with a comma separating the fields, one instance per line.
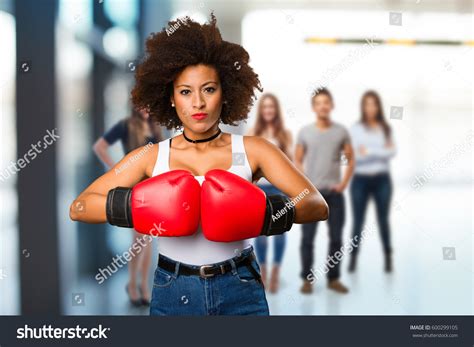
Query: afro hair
x=186, y=43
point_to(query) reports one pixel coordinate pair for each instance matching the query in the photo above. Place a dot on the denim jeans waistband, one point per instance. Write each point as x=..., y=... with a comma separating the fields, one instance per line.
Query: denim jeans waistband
x=245, y=253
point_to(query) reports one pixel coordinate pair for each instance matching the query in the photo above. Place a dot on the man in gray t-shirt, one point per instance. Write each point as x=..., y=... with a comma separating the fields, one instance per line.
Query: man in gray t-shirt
x=323, y=153
x=322, y=148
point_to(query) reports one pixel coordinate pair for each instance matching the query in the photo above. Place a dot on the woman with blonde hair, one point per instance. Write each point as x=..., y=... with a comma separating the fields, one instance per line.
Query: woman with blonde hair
x=270, y=126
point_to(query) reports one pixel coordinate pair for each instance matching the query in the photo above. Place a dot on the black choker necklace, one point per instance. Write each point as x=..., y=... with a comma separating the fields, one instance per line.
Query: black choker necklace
x=202, y=140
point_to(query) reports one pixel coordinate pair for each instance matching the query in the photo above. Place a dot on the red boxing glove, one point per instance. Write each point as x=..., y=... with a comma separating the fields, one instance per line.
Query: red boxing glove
x=233, y=209
x=164, y=205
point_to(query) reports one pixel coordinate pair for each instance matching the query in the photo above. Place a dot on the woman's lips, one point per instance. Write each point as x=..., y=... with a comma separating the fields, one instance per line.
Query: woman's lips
x=199, y=116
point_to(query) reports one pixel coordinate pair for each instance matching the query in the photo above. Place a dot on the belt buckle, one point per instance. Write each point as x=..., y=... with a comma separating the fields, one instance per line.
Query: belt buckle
x=202, y=272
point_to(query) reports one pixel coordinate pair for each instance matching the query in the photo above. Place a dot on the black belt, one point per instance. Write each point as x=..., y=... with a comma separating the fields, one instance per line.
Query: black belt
x=209, y=270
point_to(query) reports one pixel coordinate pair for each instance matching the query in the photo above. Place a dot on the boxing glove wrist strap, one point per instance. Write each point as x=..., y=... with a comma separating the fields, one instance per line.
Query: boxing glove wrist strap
x=279, y=215
x=118, y=207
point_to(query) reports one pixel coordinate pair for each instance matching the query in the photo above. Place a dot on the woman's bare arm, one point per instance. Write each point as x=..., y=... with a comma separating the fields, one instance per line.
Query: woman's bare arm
x=290, y=146
x=299, y=157
x=100, y=148
x=269, y=161
x=89, y=206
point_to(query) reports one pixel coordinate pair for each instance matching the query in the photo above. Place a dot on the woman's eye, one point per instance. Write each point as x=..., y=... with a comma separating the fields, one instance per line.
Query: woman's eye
x=210, y=89
x=185, y=92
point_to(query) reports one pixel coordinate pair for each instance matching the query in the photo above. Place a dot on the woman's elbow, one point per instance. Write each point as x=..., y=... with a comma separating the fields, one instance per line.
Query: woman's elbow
x=314, y=210
x=75, y=210
x=100, y=146
x=97, y=148
x=320, y=208
x=72, y=213
x=323, y=210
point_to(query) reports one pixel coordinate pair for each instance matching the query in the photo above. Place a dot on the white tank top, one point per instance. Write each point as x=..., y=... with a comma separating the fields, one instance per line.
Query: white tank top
x=196, y=249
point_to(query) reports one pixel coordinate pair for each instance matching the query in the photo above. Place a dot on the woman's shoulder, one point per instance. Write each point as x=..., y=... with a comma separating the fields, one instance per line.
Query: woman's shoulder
x=147, y=151
x=250, y=132
x=123, y=123
x=257, y=143
x=258, y=149
x=146, y=154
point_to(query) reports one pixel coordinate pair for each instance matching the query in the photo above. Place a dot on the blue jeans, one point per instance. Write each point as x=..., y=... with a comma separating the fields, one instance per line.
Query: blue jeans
x=380, y=188
x=236, y=292
x=279, y=241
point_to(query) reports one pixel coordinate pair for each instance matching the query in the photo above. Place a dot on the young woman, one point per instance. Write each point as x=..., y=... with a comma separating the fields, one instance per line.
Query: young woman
x=195, y=190
x=374, y=147
x=133, y=132
x=269, y=125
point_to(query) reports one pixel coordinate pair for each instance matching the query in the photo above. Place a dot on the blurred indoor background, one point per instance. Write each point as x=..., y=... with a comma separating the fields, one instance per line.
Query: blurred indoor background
x=68, y=65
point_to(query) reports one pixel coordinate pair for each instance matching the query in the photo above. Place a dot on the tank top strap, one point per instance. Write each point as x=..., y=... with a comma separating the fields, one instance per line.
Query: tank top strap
x=162, y=160
x=237, y=143
x=240, y=163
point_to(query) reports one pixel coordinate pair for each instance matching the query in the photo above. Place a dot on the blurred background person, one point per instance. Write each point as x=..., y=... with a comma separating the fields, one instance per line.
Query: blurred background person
x=319, y=149
x=374, y=148
x=132, y=132
x=270, y=125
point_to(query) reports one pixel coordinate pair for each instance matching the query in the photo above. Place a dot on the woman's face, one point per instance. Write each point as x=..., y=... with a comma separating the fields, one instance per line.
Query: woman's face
x=197, y=96
x=268, y=110
x=370, y=108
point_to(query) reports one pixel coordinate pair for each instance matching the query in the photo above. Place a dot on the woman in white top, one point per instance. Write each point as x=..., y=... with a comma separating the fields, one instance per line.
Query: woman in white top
x=270, y=125
x=189, y=80
x=372, y=139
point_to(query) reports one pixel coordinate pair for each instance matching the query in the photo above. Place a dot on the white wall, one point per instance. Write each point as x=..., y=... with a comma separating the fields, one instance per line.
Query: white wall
x=432, y=83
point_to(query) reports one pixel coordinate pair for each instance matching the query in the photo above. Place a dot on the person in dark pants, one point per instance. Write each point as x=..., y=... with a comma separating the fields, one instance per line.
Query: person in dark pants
x=321, y=149
x=374, y=147
x=132, y=132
